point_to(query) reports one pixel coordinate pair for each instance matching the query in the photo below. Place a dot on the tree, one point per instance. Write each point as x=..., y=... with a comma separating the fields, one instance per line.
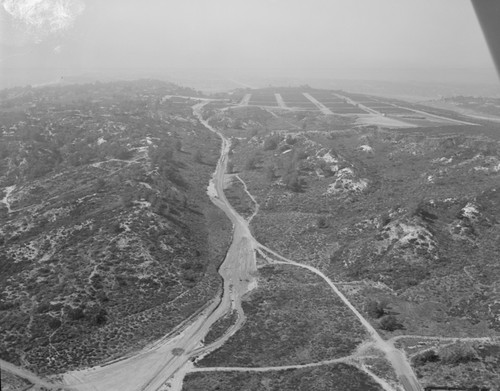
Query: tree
x=198, y=157
x=269, y=173
x=100, y=317
x=425, y=357
x=75, y=313
x=271, y=143
x=292, y=181
x=54, y=323
x=322, y=222
x=459, y=352
x=251, y=163
x=390, y=323
x=375, y=308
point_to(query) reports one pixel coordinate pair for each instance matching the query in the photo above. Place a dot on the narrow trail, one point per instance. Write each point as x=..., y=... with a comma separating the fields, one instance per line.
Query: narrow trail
x=347, y=359
x=494, y=339
x=28, y=375
x=165, y=362
x=397, y=358
x=256, y=207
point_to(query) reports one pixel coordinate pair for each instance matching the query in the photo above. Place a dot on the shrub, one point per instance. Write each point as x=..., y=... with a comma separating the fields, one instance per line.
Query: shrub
x=100, y=317
x=457, y=353
x=54, y=323
x=425, y=357
x=251, y=163
x=271, y=142
x=322, y=222
x=375, y=308
x=269, y=173
x=390, y=323
x=198, y=157
x=75, y=313
x=43, y=308
x=385, y=219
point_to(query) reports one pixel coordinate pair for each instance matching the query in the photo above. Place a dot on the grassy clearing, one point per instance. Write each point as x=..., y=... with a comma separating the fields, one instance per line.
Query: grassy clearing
x=220, y=327
x=338, y=377
x=293, y=318
x=455, y=363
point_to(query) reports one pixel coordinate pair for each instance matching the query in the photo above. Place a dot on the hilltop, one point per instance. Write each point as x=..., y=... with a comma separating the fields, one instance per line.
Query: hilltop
x=108, y=240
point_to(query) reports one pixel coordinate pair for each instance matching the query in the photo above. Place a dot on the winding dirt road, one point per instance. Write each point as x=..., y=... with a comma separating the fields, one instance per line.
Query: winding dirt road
x=151, y=368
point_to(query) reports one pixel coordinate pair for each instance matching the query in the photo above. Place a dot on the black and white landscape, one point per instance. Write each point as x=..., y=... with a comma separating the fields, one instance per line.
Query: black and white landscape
x=235, y=195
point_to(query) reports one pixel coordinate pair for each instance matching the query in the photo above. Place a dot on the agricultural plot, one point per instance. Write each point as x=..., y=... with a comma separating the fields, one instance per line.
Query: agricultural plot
x=327, y=97
x=297, y=100
x=337, y=104
x=359, y=97
x=345, y=109
x=263, y=98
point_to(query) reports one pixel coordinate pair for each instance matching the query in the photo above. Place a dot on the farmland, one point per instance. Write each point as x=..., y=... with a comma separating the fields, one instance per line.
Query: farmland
x=295, y=99
x=263, y=98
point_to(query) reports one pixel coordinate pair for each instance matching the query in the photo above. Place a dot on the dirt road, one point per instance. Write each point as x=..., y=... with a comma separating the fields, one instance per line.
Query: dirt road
x=25, y=374
x=151, y=368
x=397, y=358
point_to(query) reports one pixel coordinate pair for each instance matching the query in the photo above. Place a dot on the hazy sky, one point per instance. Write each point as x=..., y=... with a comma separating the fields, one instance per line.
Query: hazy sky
x=241, y=33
